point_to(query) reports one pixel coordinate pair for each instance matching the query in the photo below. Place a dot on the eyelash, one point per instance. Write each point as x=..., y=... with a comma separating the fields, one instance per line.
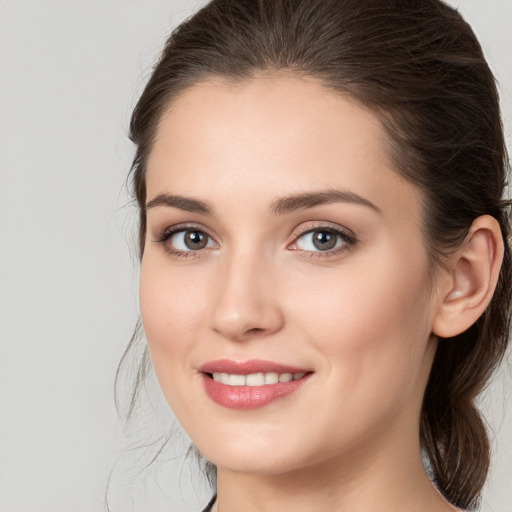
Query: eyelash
x=347, y=238
x=168, y=233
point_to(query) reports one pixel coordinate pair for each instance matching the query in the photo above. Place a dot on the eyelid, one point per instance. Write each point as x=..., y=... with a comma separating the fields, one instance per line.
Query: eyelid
x=163, y=236
x=328, y=226
x=347, y=235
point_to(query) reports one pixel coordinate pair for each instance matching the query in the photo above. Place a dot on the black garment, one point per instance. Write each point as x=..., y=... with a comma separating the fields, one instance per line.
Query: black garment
x=210, y=505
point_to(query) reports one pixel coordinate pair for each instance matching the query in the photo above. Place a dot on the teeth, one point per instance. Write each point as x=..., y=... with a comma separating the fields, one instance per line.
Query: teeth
x=237, y=380
x=221, y=377
x=255, y=379
x=271, y=378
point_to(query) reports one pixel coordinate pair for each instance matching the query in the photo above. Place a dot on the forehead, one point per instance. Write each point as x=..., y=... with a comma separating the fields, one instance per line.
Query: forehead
x=270, y=112
x=269, y=134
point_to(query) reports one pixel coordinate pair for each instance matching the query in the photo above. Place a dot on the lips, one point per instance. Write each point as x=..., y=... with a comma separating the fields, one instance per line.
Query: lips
x=250, y=384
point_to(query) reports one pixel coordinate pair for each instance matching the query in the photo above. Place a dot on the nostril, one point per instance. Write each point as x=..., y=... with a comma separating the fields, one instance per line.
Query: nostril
x=254, y=331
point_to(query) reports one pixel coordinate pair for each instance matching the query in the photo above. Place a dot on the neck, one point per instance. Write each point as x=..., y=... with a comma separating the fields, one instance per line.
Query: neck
x=383, y=480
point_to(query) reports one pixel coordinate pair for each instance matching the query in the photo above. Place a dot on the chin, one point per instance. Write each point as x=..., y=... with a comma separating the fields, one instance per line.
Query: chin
x=253, y=458
x=265, y=457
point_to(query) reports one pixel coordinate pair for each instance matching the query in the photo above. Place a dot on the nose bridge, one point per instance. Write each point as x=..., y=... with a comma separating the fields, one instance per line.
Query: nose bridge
x=246, y=302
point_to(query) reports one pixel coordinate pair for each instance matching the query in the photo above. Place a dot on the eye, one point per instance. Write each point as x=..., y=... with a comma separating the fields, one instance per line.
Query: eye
x=189, y=240
x=179, y=241
x=323, y=239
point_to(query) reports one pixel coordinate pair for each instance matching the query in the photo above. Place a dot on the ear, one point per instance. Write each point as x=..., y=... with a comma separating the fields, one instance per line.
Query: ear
x=471, y=279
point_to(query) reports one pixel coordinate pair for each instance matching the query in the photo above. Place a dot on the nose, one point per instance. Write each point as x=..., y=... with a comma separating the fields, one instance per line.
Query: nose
x=246, y=303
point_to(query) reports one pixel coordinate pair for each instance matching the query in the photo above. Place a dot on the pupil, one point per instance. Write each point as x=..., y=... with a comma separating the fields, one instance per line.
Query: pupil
x=323, y=240
x=195, y=240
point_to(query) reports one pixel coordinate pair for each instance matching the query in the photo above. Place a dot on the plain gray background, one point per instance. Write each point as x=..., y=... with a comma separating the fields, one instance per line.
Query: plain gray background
x=70, y=72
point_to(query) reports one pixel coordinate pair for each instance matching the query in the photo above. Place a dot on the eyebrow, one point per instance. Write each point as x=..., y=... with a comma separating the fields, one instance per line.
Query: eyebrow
x=281, y=206
x=182, y=203
x=307, y=200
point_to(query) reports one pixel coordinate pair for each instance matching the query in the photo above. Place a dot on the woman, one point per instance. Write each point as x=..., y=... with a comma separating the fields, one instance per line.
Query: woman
x=325, y=265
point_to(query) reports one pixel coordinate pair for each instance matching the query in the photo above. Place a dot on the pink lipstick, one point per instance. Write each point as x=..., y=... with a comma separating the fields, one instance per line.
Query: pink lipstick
x=250, y=384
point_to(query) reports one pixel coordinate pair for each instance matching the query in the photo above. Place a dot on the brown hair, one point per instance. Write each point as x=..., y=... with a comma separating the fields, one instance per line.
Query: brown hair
x=418, y=65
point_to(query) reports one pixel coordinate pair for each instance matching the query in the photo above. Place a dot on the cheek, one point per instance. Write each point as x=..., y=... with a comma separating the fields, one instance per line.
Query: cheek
x=171, y=308
x=371, y=323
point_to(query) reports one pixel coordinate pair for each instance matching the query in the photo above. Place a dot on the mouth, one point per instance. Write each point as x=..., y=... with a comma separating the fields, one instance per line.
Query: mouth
x=250, y=384
x=254, y=379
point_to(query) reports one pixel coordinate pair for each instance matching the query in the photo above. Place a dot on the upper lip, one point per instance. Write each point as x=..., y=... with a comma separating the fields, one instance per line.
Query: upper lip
x=248, y=367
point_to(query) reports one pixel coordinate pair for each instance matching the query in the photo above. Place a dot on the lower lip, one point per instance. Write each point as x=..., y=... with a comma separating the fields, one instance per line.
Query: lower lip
x=249, y=397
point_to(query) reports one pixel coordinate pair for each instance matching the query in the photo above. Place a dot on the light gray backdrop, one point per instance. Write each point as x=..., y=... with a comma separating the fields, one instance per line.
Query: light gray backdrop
x=70, y=72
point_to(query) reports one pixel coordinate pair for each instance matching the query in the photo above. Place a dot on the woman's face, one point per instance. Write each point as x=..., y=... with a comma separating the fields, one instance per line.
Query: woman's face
x=285, y=287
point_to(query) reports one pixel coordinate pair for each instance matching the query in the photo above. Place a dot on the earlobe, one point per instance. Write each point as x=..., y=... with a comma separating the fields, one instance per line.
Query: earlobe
x=472, y=278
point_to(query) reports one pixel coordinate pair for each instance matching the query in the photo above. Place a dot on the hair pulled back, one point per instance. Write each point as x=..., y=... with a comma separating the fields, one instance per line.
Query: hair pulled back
x=418, y=65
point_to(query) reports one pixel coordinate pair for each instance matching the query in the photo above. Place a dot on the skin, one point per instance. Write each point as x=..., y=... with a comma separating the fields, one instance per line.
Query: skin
x=361, y=317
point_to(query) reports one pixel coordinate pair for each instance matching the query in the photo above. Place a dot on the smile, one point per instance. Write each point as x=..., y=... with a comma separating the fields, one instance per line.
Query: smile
x=255, y=379
x=250, y=384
